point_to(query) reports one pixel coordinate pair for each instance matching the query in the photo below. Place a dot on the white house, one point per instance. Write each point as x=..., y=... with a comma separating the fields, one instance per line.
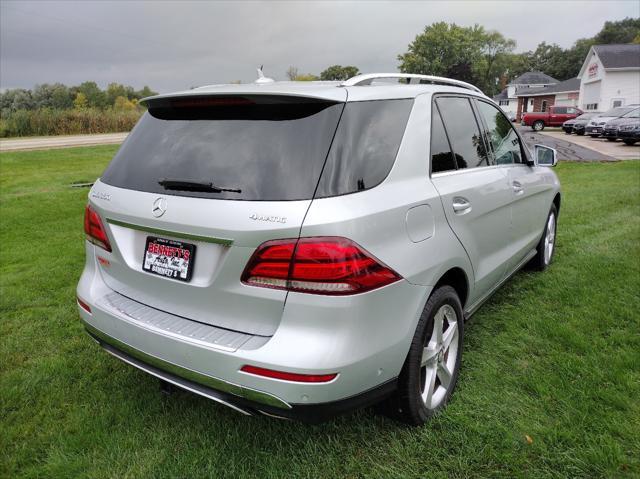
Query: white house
x=507, y=98
x=610, y=77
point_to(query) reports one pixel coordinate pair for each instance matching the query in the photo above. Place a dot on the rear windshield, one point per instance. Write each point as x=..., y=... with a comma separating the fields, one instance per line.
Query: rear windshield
x=261, y=148
x=269, y=148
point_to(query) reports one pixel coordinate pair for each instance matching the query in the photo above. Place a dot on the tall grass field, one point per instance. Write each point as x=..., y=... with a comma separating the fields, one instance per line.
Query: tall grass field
x=549, y=386
x=48, y=121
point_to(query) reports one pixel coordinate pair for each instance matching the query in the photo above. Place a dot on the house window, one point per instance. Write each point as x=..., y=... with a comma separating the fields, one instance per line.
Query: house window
x=616, y=103
x=504, y=103
x=544, y=105
x=531, y=103
x=591, y=106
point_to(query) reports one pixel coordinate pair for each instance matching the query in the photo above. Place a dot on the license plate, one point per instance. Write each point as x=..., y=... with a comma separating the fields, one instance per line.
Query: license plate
x=169, y=258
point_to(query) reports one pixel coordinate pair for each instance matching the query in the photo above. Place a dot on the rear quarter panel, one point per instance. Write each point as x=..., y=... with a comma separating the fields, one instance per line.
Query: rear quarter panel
x=402, y=223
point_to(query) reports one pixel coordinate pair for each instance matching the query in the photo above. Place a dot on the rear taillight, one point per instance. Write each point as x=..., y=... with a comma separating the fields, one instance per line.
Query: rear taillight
x=323, y=265
x=94, y=229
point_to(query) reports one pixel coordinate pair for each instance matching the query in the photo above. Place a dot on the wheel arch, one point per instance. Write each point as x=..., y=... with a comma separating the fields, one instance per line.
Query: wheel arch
x=458, y=280
x=556, y=201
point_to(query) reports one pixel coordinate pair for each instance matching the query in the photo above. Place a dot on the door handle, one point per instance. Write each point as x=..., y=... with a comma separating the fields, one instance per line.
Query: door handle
x=461, y=205
x=517, y=187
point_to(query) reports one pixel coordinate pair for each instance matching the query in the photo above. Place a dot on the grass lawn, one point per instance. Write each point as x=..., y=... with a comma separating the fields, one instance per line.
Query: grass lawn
x=550, y=383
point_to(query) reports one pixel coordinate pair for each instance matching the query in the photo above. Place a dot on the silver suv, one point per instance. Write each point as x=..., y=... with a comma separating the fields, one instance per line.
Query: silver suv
x=298, y=249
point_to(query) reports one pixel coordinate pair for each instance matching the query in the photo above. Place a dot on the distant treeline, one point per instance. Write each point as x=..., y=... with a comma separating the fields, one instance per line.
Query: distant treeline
x=56, y=109
x=486, y=58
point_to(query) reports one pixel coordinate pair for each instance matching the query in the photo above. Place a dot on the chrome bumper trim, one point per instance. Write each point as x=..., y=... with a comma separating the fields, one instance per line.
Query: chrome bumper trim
x=175, y=234
x=157, y=366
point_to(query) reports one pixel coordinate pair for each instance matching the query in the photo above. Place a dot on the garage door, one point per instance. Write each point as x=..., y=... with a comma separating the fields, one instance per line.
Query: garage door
x=592, y=92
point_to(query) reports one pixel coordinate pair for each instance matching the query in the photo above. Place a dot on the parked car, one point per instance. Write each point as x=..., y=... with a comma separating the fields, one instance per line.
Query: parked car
x=610, y=130
x=569, y=126
x=580, y=125
x=596, y=125
x=555, y=116
x=629, y=130
x=328, y=266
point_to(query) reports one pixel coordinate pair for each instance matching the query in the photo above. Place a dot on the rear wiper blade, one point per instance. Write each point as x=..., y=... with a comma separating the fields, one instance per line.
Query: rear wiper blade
x=192, y=185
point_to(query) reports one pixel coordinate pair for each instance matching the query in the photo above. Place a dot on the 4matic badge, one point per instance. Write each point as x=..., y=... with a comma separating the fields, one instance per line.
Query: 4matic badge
x=101, y=195
x=272, y=219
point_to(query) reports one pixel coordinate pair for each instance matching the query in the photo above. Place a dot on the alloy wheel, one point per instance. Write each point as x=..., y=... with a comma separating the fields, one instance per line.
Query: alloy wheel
x=549, y=239
x=439, y=357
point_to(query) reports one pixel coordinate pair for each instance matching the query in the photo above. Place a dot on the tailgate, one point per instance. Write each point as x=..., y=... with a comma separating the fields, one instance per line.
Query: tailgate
x=197, y=186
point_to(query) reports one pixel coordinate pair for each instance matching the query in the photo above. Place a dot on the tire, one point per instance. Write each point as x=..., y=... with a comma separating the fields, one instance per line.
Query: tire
x=630, y=142
x=421, y=392
x=594, y=136
x=611, y=139
x=567, y=132
x=547, y=244
x=580, y=133
x=538, y=125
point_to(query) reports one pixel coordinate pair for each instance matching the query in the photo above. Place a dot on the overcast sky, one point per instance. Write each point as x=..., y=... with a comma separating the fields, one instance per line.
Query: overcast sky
x=176, y=45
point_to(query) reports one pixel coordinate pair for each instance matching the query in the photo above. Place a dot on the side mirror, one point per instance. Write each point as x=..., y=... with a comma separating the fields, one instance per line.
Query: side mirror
x=544, y=156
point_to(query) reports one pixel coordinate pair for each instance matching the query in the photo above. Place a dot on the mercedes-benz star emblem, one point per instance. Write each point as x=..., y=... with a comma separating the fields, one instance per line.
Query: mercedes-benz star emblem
x=159, y=207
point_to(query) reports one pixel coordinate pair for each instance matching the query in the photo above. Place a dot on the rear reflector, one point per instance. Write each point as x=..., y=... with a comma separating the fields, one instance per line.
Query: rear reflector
x=299, y=378
x=320, y=265
x=94, y=229
x=84, y=305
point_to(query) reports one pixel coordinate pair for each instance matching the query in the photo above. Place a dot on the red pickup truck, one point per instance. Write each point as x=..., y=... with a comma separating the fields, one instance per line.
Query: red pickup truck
x=555, y=116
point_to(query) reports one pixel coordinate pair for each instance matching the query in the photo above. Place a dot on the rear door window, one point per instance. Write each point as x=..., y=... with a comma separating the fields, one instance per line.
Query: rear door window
x=365, y=146
x=441, y=155
x=468, y=145
x=269, y=148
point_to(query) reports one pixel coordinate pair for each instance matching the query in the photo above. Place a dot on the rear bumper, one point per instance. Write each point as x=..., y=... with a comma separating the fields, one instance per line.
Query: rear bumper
x=248, y=402
x=610, y=133
x=363, y=338
x=593, y=130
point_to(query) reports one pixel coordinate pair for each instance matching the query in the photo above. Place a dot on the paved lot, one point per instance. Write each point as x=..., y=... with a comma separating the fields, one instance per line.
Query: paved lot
x=574, y=147
x=46, y=142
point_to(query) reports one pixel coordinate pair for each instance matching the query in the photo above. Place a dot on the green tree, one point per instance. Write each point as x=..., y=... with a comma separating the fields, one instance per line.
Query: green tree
x=550, y=59
x=621, y=31
x=145, y=92
x=95, y=97
x=61, y=98
x=494, y=61
x=470, y=54
x=122, y=103
x=115, y=90
x=565, y=64
x=80, y=102
x=16, y=99
x=339, y=72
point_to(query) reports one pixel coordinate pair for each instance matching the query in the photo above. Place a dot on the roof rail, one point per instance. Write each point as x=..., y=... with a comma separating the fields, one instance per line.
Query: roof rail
x=367, y=78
